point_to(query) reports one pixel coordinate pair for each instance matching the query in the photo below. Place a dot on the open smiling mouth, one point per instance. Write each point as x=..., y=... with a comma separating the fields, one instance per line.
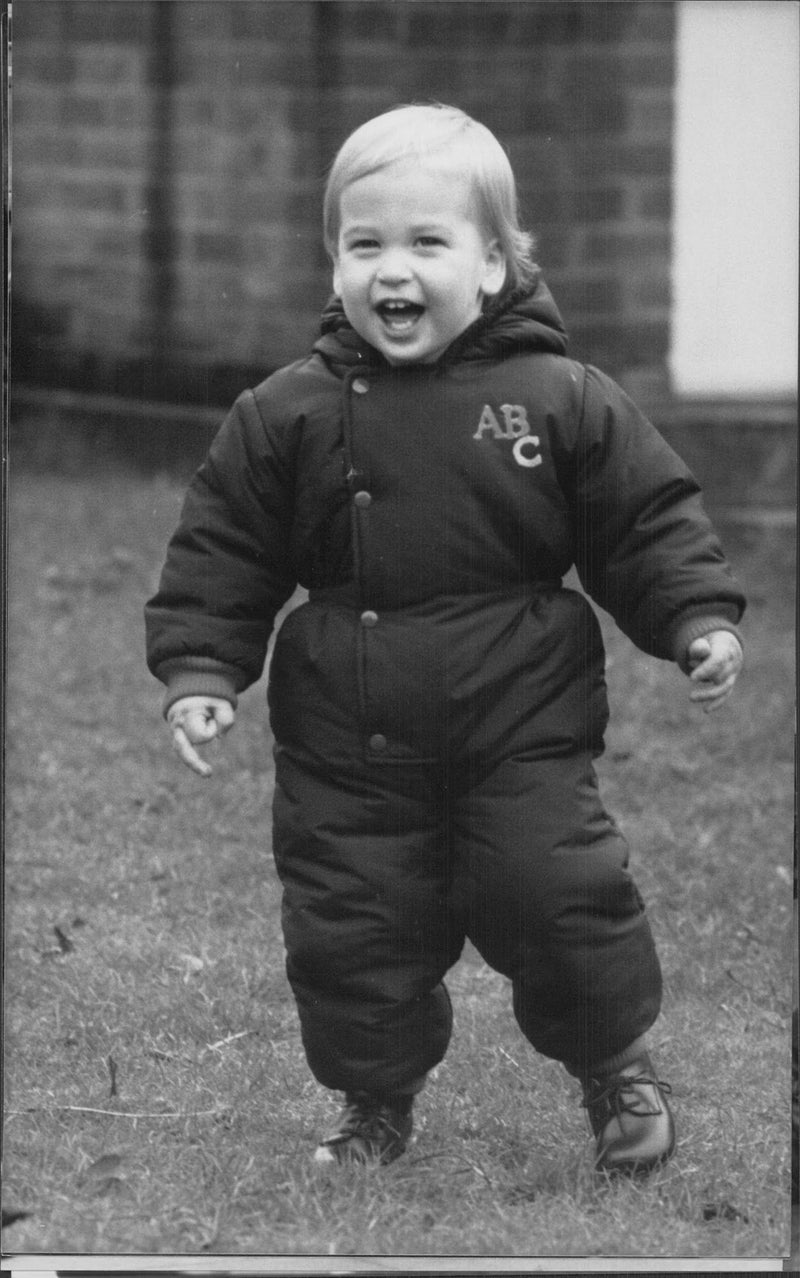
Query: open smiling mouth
x=399, y=316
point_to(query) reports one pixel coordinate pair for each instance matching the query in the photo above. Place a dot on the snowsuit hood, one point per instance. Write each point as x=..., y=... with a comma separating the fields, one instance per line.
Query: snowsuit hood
x=523, y=322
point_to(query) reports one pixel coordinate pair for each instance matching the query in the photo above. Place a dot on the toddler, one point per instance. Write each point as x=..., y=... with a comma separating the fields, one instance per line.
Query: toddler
x=430, y=473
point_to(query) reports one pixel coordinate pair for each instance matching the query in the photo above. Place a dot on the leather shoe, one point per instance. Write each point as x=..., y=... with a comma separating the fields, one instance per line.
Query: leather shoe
x=371, y=1129
x=630, y=1118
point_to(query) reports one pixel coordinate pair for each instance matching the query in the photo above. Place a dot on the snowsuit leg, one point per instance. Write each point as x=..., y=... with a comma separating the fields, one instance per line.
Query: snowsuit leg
x=482, y=818
x=363, y=862
x=543, y=886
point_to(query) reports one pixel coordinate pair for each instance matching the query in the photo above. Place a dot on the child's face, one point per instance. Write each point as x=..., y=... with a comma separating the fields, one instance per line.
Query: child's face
x=412, y=266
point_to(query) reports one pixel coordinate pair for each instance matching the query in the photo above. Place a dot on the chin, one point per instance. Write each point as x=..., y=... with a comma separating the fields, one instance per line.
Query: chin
x=409, y=357
x=414, y=352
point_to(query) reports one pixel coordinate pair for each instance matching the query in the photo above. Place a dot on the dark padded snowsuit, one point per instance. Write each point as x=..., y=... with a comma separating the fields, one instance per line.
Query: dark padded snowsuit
x=438, y=701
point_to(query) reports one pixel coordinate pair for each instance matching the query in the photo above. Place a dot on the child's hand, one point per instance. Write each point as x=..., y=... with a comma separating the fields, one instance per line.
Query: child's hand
x=196, y=721
x=716, y=660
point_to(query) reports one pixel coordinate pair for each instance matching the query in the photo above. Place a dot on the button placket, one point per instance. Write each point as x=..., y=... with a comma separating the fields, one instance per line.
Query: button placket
x=377, y=742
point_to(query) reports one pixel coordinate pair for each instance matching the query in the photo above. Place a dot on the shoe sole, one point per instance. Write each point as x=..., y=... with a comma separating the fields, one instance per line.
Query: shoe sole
x=326, y=1156
x=636, y=1167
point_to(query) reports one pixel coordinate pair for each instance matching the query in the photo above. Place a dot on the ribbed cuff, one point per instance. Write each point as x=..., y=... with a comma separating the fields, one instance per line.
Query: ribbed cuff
x=198, y=683
x=697, y=627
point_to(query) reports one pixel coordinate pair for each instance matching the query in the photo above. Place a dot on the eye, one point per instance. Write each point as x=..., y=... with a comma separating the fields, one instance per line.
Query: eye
x=362, y=245
x=430, y=241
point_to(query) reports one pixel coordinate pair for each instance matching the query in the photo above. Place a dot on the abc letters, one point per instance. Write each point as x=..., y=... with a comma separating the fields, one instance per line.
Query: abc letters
x=515, y=426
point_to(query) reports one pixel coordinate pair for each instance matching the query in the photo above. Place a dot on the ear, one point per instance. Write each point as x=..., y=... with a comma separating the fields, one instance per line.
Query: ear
x=336, y=278
x=494, y=269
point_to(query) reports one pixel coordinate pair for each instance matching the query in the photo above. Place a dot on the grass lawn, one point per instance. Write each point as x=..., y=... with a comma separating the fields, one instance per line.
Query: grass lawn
x=157, y=1095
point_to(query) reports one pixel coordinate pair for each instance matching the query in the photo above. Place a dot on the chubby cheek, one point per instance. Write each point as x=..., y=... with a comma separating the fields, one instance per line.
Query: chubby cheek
x=355, y=309
x=351, y=287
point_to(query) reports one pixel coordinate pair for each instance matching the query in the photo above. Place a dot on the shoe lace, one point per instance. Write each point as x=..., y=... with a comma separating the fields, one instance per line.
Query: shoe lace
x=619, y=1094
x=368, y=1117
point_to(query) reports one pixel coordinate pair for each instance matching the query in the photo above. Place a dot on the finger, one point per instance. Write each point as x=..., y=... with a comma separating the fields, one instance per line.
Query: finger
x=710, y=688
x=198, y=726
x=188, y=753
x=699, y=651
x=709, y=707
x=224, y=715
x=201, y=727
x=708, y=676
x=714, y=670
x=711, y=696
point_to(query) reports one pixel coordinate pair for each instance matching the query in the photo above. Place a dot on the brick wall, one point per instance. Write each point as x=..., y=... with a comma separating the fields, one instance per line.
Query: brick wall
x=168, y=163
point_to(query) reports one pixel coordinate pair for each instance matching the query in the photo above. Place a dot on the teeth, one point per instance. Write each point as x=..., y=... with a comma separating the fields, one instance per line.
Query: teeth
x=398, y=315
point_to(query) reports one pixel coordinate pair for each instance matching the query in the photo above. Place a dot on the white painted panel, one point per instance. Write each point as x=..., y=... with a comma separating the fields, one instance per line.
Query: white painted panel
x=735, y=259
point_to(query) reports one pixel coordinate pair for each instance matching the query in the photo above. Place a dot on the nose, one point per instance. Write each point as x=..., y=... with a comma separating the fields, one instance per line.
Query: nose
x=393, y=267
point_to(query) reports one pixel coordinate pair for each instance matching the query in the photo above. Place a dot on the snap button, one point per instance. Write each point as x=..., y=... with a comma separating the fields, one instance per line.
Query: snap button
x=378, y=742
x=363, y=500
x=360, y=386
x=369, y=618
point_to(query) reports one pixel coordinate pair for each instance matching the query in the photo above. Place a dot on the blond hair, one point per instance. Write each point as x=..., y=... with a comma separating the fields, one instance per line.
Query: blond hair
x=439, y=134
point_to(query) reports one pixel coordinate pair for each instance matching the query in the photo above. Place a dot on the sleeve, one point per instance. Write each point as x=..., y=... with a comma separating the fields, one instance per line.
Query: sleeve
x=228, y=570
x=645, y=549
